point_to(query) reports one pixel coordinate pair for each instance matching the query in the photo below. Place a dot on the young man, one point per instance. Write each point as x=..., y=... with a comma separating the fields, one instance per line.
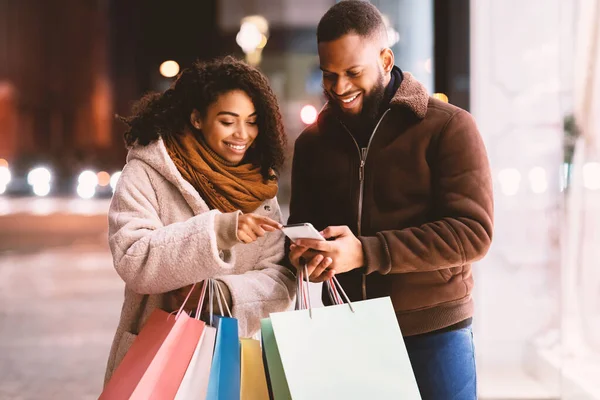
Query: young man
x=400, y=184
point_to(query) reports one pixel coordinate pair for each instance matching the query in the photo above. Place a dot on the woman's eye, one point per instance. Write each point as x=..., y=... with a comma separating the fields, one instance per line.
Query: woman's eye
x=252, y=123
x=227, y=123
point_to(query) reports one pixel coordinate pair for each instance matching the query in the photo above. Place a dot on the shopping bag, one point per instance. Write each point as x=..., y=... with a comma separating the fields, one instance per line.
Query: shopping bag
x=224, y=380
x=345, y=351
x=276, y=380
x=194, y=385
x=253, y=380
x=156, y=362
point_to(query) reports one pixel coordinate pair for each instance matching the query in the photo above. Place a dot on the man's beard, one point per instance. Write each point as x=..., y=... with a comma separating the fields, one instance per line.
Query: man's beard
x=371, y=107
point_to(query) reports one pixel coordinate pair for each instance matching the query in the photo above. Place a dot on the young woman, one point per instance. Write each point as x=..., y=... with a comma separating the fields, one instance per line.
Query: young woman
x=196, y=199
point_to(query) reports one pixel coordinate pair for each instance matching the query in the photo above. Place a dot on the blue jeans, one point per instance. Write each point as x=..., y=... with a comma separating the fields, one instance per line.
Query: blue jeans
x=444, y=364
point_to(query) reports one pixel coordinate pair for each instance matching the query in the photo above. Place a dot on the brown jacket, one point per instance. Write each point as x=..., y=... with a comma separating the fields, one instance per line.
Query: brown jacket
x=419, y=198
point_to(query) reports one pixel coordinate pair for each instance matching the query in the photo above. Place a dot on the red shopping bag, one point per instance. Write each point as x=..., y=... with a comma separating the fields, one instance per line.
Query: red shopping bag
x=158, y=358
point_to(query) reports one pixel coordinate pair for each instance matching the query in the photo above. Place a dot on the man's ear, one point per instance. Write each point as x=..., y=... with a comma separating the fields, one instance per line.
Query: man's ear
x=196, y=119
x=387, y=59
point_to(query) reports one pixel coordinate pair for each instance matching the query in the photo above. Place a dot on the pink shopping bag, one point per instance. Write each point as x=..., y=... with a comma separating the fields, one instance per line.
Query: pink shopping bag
x=157, y=360
x=194, y=385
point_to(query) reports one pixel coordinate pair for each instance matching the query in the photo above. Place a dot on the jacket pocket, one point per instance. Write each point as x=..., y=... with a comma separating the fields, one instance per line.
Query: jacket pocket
x=124, y=344
x=448, y=273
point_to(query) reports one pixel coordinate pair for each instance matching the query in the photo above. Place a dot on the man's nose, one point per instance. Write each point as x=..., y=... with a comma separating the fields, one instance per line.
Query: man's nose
x=341, y=86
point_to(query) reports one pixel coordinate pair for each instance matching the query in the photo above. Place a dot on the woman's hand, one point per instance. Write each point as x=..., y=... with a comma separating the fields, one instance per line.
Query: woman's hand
x=252, y=226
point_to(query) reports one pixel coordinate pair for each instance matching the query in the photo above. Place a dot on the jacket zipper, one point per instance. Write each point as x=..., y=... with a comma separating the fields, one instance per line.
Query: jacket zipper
x=362, y=154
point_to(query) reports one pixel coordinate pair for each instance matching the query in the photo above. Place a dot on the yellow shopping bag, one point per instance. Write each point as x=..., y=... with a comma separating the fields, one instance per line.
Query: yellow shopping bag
x=253, y=381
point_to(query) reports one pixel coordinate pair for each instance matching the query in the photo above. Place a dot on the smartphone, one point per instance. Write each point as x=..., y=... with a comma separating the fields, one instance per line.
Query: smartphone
x=301, y=231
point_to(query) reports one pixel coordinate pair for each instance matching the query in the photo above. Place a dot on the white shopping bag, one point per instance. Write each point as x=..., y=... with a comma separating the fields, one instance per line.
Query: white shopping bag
x=195, y=381
x=345, y=351
x=194, y=385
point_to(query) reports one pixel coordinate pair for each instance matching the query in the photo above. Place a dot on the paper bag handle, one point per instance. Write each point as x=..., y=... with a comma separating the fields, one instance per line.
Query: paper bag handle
x=221, y=297
x=331, y=284
x=303, y=291
x=185, y=301
x=211, y=289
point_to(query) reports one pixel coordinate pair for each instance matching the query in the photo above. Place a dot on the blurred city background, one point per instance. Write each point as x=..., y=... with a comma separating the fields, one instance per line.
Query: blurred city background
x=528, y=70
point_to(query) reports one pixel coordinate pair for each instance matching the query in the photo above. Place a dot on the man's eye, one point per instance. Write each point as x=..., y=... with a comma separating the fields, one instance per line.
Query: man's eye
x=353, y=74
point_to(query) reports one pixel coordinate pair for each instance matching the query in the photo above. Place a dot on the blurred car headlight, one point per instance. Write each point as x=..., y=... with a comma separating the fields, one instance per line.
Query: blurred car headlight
x=86, y=191
x=114, y=179
x=39, y=179
x=5, y=176
x=40, y=175
x=41, y=189
x=88, y=178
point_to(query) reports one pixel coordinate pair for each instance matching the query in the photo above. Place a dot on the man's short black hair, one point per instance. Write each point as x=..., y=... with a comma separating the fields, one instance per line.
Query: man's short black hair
x=350, y=16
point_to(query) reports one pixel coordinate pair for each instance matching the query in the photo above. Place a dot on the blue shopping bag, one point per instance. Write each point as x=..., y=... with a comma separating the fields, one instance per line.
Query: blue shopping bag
x=224, y=380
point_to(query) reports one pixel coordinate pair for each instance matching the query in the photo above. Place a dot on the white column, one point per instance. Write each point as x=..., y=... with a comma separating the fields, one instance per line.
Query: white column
x=519, y=96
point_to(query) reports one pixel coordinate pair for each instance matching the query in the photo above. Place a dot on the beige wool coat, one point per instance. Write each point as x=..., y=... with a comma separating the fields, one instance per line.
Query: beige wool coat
x=163, y=236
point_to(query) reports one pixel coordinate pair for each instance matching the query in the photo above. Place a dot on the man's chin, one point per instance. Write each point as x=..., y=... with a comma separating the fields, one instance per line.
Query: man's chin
x=349, y=113
x=352, y=112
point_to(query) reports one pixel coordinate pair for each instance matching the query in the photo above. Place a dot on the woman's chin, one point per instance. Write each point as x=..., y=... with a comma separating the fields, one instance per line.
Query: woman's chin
x=233, y=157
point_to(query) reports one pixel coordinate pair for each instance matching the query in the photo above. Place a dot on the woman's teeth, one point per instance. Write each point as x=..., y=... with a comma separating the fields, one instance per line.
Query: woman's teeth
x=236, y=147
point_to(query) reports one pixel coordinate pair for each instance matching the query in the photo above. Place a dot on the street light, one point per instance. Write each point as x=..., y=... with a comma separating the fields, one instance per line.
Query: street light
x=253, y=37
x=308, y=114
x=249, y=37
x=169, y=69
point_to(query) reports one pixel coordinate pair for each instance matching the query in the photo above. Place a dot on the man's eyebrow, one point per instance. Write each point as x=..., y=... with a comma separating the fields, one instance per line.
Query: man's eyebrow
x=347, y=69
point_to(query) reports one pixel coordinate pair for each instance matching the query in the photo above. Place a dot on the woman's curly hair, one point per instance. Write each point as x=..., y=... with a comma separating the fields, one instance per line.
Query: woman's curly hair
x=168, y=113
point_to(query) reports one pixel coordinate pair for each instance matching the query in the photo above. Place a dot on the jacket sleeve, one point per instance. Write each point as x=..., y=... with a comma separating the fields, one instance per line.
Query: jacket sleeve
x=269, y=287
x=463, y=200
x=301, y=202
x=153, y=258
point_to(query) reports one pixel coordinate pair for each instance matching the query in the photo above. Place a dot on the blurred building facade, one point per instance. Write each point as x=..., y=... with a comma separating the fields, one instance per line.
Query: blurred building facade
x=54, y=73
x=538, y=290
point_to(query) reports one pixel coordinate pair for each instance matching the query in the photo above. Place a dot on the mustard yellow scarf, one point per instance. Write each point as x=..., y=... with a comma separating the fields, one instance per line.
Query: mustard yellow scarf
x=223, y=185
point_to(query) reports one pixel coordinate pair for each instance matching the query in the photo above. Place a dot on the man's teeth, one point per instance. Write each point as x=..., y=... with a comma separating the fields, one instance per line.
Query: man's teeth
x=235, y=147
x=350, y=99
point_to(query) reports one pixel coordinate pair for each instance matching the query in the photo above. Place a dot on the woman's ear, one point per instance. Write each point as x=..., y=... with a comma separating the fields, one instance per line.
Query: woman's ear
x=196, y=119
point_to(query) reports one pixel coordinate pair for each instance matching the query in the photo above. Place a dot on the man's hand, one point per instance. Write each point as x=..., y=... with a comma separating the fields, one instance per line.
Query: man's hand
x=316, y=263
x=345, y=251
